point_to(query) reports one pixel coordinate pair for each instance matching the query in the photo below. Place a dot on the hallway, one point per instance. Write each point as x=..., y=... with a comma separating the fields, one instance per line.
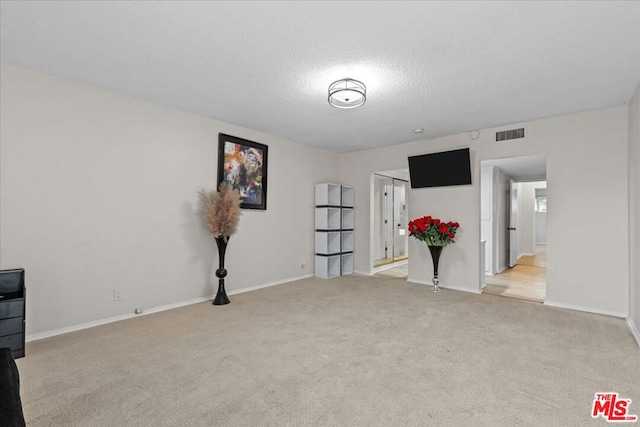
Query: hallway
x=399, y=272
x=527, y=280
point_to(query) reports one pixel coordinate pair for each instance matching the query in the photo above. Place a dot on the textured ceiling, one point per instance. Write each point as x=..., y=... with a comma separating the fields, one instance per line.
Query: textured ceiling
x=447, y=67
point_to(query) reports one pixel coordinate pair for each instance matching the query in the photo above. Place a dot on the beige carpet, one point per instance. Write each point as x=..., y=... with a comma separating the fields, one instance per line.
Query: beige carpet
x=351, y=351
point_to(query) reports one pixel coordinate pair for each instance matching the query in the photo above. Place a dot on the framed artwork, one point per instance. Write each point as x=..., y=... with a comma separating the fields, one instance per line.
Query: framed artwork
x=243, y=164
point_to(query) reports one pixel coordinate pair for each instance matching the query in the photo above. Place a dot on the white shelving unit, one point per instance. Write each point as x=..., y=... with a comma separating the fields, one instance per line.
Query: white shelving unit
x=328, y=266
x=334, y=223
x=327, y=242
x=328, y=218
x=347, y=263
x=347, y=196
x=328, y=195
x=346, y=242
x=348, y=219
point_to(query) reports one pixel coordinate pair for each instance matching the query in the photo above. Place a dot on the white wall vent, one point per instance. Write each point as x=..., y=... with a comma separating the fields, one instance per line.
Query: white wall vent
x=509, y=134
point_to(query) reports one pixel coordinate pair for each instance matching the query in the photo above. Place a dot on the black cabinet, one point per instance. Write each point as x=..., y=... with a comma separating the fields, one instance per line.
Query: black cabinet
x=12, y=310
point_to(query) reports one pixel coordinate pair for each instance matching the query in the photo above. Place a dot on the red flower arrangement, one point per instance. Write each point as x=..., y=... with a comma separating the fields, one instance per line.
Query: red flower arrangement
x=433, y=231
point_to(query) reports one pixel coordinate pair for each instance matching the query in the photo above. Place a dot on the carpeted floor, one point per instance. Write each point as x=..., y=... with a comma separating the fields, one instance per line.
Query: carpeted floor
x=350, y=351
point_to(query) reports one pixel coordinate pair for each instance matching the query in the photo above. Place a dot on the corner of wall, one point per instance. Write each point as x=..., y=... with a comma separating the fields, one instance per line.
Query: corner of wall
x=634, y=330
x=634, y=212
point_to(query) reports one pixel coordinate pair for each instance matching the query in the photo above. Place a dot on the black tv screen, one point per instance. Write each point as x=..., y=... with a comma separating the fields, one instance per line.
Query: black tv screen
x=440, y=169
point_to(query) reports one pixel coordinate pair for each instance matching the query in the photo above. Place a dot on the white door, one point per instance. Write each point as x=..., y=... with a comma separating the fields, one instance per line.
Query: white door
x=513, y=220
x=388, y=220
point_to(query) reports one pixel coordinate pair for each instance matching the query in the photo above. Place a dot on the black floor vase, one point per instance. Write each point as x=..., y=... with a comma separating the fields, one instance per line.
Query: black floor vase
x=221, y=297
x=435, y=257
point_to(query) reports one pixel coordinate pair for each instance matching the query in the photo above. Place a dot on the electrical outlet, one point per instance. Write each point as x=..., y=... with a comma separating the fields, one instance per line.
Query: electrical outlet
x=139, y=310
x=117, y=295
x=303, y=263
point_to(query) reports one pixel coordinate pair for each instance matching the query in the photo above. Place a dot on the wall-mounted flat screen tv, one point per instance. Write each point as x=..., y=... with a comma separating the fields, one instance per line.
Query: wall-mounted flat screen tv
x=440, y=169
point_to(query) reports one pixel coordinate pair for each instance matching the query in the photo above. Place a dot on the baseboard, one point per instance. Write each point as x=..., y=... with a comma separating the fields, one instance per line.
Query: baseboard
x=634, y=330
x=87, y=325
x=419, y=282
x=456, y=288
x=362, y=272
x=585, y=309
x=267, y=285
x=450, y=287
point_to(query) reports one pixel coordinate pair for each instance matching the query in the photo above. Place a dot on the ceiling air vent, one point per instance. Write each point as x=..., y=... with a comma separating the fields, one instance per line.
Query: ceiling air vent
x=509, y=134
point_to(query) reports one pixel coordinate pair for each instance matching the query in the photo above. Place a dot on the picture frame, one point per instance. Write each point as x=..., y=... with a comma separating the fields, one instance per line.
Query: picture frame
x=243, y=165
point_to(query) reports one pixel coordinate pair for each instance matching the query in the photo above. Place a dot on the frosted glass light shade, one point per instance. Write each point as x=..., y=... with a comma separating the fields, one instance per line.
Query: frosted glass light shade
x=347, y=93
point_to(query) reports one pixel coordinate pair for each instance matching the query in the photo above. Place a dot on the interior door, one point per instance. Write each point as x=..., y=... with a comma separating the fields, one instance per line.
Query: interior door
x=389, y=225
x=513, y=220
x=381, y=185
x=390, y=219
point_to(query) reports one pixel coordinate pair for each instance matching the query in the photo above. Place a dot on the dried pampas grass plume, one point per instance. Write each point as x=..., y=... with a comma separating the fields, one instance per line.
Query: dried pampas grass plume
x=221, y=210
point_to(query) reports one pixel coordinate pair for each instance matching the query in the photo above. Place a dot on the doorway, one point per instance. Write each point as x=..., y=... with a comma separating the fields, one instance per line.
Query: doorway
x=389, y=210
x=513, y=227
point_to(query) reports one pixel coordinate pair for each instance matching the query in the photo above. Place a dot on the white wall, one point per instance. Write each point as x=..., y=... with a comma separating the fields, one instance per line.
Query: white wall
x=486, y=215
x=634, y=213
x=541, y=217
x=586, y=154
x=98, y=191
x=541, y=227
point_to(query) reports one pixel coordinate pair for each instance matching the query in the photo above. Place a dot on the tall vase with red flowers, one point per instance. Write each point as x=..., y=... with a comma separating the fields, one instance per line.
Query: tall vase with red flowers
x=436, y=234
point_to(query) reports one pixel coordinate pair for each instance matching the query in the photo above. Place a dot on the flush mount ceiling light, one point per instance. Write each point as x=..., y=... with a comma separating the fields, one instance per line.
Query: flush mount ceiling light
x=418, y=130
x=347, y=93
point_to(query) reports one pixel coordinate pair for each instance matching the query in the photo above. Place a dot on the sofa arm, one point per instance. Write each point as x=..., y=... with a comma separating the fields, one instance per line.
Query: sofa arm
x=10, y=404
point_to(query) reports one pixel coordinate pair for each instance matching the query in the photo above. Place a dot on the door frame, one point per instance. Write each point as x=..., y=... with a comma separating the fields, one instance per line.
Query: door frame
x=512, y=224
x=373, y=226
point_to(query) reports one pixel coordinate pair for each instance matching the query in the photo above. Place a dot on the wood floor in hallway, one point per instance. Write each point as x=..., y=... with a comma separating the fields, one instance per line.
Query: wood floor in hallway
x=399, y=272
x=527, y=280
